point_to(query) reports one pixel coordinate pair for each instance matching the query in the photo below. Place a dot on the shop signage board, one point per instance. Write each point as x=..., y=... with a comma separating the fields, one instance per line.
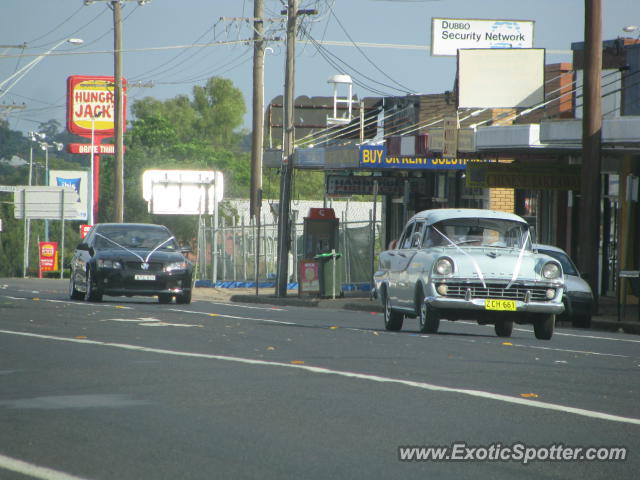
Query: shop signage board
x=91, y=105
x=48, y=252
x=375, y=157
x=492, y=175
x=361, y=185
x=450, y=34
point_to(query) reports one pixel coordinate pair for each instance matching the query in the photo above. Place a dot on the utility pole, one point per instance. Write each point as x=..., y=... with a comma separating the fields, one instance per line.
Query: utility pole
x=284, y=230
x=117, y=69
x=116, y=6
x=257, y=135
x=588, y=249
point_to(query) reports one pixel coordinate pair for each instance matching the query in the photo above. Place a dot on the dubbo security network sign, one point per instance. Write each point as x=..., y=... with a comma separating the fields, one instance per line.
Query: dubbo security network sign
x=450, y=34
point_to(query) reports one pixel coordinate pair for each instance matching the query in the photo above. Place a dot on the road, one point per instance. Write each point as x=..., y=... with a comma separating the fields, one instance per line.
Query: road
x=131, y=389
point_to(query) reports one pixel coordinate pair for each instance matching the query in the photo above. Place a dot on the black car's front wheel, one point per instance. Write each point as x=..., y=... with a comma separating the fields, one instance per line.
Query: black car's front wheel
x=164, y=298
x=74, y=294
x=93, y=293
x=184, y=298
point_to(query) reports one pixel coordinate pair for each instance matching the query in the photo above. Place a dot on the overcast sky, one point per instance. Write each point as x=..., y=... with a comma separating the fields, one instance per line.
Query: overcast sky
x=394, y=60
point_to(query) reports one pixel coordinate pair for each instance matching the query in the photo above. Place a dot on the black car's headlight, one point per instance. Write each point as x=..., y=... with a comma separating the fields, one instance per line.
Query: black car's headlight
x=108, y=263
x=551, y=271
x=172, y=267
x=443, y=266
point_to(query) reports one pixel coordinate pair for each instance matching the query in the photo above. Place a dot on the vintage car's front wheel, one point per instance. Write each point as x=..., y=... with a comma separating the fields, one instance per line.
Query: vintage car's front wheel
x=392, y=320
x=543, y=326
x=503, y=328
x=428, y=319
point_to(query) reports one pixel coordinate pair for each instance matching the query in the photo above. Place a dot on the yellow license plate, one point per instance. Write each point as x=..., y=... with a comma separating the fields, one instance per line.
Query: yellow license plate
x=491, y=304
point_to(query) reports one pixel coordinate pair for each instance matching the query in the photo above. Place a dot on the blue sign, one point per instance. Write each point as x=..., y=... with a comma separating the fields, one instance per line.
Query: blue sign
x=375, y=156
x=69, y=182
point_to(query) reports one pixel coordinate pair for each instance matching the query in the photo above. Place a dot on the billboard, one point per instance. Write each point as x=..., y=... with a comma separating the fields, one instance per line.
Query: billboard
x=489, y=78
x=450, y=34
x=91, y=105
x=46, y=203
x=79, y=181
x=182, y=192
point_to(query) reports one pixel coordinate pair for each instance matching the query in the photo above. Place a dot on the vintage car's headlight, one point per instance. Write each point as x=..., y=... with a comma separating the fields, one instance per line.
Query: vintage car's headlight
x=551, y=270
x=108, y=263
x=170, y=267
x=444, y=266
x=551, y=293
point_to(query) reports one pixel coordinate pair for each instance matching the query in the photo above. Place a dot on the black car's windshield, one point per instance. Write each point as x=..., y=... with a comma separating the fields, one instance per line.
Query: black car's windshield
x=135, y=237
x=567, y=265
x=483, y=232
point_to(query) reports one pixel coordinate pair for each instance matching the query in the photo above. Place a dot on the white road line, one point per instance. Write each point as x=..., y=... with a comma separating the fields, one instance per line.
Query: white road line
x=34, y=471
x=360, y=376
x=232, y=316
x=89, y=304
x=243, y=306
x=584, y=352
x=562, y=334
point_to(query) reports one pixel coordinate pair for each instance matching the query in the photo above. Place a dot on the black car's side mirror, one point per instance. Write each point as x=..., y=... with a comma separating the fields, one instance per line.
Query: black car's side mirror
x=186, y=249
x=85, y=247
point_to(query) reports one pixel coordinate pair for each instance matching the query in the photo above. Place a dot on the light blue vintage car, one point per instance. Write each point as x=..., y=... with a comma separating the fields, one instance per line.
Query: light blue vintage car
x=469, y=264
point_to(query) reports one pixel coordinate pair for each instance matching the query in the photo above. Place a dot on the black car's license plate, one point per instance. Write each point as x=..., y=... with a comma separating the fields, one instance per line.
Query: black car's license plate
x=145, y=277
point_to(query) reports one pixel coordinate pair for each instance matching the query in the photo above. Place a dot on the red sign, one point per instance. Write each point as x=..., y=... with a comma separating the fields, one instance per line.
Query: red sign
x=91, y=105
x=84, y=229
x=309, y=277
x=48, y=257
x=102, y=149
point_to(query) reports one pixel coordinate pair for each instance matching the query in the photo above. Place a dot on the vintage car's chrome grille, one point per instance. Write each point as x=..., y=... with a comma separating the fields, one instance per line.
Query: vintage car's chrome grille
x=153, y=266
x=516, y=292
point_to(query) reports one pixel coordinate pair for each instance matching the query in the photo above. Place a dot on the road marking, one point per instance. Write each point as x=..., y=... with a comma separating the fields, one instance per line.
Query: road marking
x=232, y=316
x=353, y=375
x=585, y=352
x=563, y=334
x=244, y=306
x=90, y=304
x=34, y=471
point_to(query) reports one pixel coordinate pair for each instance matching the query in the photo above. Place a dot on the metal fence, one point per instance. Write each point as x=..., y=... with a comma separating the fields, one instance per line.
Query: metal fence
x=227, y=253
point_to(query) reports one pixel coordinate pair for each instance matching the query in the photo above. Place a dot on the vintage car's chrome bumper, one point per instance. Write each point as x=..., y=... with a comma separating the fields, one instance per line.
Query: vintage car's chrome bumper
x=444, y=303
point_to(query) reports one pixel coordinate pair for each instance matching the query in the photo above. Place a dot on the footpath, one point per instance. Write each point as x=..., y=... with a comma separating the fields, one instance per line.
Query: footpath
x=606, y=319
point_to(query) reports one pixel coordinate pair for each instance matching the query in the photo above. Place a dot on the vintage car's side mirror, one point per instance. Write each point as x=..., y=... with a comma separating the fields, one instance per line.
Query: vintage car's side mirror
x=185, y=249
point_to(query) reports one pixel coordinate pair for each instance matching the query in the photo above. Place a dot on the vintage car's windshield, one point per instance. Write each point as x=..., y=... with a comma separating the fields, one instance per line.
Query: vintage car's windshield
x=483, y=232
x=141, y=237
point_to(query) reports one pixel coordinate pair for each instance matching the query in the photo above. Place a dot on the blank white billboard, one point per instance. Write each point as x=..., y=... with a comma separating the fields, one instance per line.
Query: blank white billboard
x=500, y=78
x=182, y=192
x=46, y=203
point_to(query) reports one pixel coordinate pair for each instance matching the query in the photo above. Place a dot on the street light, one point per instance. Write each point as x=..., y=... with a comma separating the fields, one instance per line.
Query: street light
x=91, y=168
x=45, y=146
x=631, y=29
x=17, y=76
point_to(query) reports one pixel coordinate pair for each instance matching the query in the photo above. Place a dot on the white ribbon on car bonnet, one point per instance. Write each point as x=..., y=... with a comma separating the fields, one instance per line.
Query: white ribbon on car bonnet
x=143, y=260
x=473, y=261
x=516, y=270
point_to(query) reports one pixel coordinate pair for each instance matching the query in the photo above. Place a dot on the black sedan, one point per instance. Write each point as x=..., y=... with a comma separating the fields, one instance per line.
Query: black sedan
x=130, y=259
x=578, y=297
